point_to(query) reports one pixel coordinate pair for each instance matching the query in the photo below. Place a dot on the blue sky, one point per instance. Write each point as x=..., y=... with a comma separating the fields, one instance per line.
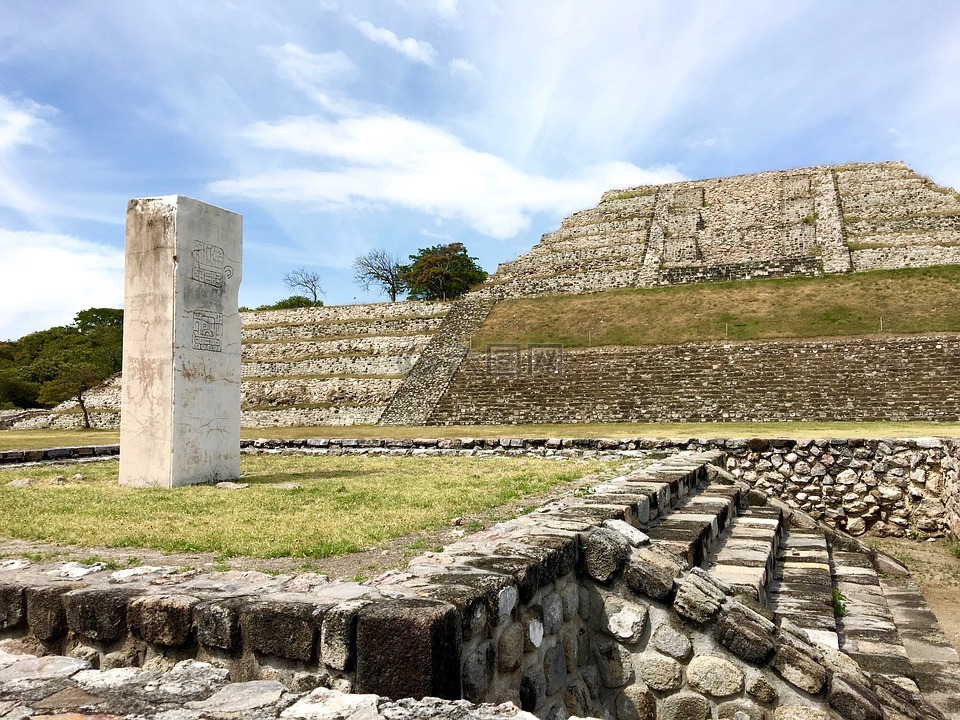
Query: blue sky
x=339, y=127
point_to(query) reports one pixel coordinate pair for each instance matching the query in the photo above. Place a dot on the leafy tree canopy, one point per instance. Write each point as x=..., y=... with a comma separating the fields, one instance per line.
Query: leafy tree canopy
x=294, y=301
x=50, y=366
x=442, y=272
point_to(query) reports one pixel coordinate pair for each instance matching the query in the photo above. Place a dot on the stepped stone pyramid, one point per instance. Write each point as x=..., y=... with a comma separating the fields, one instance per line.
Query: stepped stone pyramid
x=810, y=221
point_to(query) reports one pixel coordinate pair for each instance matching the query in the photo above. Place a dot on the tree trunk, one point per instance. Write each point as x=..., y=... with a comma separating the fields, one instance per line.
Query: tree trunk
x=83, y=407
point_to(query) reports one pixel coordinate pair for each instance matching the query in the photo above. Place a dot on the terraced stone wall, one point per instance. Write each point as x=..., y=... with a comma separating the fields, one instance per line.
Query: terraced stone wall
x=913, y=378
x=808, y=221
x=337, y=365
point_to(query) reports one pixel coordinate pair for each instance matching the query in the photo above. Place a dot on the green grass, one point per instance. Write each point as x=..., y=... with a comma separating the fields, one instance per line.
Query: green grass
x=345, y=504
x=913, y=300
x=33, y=439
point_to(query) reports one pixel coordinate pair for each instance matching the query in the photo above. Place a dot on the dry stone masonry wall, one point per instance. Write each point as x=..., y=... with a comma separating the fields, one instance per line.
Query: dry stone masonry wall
x=913, y=378
x=309, y=366
x=809, y=221
x=637, y=599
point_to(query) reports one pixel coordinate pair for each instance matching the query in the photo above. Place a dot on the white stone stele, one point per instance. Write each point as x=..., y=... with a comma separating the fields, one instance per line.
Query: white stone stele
x=180, y=400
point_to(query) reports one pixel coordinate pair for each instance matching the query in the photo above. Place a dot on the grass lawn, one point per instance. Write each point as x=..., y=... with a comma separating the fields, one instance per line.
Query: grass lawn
x=344, y=503
x=32, y=439
x=912, y=300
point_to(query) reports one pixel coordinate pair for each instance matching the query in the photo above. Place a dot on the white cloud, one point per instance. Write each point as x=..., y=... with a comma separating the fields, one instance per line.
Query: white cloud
x=45, y=279
x=22, y=123
x=311, y=72
x=417, y=50
x=390, y=160
x=464, y=68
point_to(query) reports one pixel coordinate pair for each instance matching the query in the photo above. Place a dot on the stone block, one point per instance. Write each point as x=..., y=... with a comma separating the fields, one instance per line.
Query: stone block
x=510, y=647
x=652, y=573
x=46, y=615
x=684, y=706
x=798, y=668
x=604, y=554
x=165, y=620
x=478, y=667
x=98, y=613
x=747, y=634
x=13, y=608
x=338, y=635
x=409, y=648
x=282, y=628
x=180, y=397
x=533, y=690
x=555, y=668
x=714, y=676
x=659, y=672
x=218, y=622
x=635, y=702
x=853, y=700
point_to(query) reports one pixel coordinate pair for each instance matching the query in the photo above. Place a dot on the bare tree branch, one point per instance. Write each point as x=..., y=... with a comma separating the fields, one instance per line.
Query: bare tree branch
x=306, y=280
x=382, y=270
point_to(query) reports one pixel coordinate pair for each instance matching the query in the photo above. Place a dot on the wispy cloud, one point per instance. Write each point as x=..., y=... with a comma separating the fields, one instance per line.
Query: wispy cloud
x=46, y=278
x=313, y=73
x=391, y=160
x=417, y=50
x=22, y=123
x=464, y=68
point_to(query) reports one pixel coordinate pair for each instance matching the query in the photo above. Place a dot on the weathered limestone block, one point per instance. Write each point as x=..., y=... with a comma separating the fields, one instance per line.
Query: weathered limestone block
x=853, y=700
x=286, y=629
x=338, y=647
x=746, y=634
x=13, y=607
x=652, y=572
x=46, y=615
x=180, y=423
x=98, y=613
x=604, y=553
x=409, y=648
x=714, y=676
x=162, y=619
x=218, y=622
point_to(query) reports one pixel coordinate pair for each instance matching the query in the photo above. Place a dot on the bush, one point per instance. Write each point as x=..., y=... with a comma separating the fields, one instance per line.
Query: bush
x=290, y=303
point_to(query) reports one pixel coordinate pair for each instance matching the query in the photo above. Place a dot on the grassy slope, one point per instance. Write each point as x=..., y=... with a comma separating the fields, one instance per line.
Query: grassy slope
x=915, y=300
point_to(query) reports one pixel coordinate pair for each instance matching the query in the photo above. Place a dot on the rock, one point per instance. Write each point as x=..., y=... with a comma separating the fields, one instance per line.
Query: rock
x=696, y=600
x=798, y=712
x=613, y=662
x=652, y=573
x=684, y=706
x=659, y=672
x=324, y=703
x=672, y=642
x=747, y=634
x=799, y=667
x=555, y=668
x=740, y=710
x=635, y=537
x=853, y=700
x=29, y=667
x=625, y=621
x=552, y=613
x=478, y=671
x=856, y=525
x=242, y=697
x=162, y=619
x=533, y=687
x=510, y=647
x=20, y=483
x=714, y=676
x=338, y=634
x=763, y=690
x=604, y=553
x=635, y=702
x=227, y=485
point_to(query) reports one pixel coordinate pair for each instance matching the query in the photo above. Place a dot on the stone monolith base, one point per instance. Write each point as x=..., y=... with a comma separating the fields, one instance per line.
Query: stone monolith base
x=180, y=406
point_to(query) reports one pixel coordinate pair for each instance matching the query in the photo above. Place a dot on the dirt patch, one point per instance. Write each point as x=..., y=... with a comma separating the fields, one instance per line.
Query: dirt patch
x=936, y=570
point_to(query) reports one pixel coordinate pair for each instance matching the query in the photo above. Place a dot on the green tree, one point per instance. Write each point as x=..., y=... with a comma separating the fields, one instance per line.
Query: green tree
x=442, y=272
x=50, y=366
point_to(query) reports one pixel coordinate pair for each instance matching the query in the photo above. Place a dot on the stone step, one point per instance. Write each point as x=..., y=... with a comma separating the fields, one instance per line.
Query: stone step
x=935, y=662
x=803, y=588
x=746, y=558
x=867, y=630
x=692, y=527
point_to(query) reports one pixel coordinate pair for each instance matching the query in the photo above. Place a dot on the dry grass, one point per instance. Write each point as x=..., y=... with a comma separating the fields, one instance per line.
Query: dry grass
x=909, y=301
x=344, y=503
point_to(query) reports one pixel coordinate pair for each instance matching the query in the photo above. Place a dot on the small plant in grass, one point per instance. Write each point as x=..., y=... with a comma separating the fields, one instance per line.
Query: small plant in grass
x=954, y=547
x=839, y=603
x=134, y=561
x=810, y=219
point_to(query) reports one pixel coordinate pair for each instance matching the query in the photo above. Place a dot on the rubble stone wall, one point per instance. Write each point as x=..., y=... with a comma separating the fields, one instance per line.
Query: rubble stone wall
x=913, y=378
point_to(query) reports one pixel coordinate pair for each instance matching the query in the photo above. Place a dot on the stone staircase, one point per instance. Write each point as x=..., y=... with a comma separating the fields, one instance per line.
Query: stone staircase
x=426, y=383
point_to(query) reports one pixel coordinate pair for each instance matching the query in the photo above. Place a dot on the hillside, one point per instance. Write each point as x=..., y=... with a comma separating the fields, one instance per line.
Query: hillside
x=909, y=301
